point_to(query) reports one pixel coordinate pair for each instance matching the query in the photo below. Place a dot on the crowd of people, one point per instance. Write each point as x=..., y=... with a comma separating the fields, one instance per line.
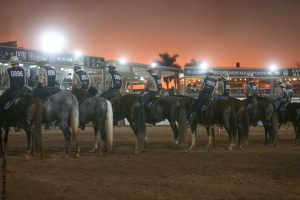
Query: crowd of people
x=210, y=88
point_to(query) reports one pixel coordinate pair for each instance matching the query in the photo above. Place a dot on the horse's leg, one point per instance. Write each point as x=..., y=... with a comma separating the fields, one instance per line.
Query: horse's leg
x=232, y=136
x=175, y=131
x=209, y=135
x=194, y=131
x=1, y=143
x=213, y=136
x=103, y=140
x=67, y=136
x=29, y=142
x=266, y=133
x=297, y=132
x=138, y=147
x=96, y=135
x=6, y=129
x=271, y=134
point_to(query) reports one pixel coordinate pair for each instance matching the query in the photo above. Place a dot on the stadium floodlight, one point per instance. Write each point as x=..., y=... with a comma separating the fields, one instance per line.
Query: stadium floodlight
x=153, y=64
x=122, y=60
x=203, y=66
x=52, y=42
x=77, y=53
x=273, y=67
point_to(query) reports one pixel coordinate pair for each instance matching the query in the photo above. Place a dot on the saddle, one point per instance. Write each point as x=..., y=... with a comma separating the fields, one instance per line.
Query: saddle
x=45, y=93
x=222, y=98
x=151, y=104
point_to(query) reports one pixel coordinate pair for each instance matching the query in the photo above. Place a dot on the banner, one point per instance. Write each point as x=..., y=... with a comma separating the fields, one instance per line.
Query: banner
x=243, y=72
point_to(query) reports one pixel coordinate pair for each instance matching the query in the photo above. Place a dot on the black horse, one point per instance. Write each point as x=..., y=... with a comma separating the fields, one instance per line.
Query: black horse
x=98, y=111
x=62, y=108
x=171, y=108
x=219, y=112
x=242, y=120
x=292, y=114
x=265, y=112
x=26, y=112
x=130, y=106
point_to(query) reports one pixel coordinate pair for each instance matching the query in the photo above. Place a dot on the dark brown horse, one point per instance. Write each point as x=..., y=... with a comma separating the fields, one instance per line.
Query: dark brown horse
x=26, y=112
x=242, y=120
x=171, y=108
x=219, y=112
x=265, y=112
x=130, y=107
x=292, y=114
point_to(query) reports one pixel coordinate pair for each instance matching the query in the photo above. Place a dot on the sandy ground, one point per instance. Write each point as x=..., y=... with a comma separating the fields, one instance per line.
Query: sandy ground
x=161, y=172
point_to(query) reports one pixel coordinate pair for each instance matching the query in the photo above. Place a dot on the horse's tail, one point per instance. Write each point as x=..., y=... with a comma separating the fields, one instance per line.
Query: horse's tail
x=182, y=122
x=141, y=123
x=38, y=125
x=234, y=122
x=74, y=119
x=275, y=126
x=109, y=126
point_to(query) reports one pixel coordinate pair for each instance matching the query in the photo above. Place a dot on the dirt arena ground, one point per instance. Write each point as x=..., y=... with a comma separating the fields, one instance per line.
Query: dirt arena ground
x=161, y=172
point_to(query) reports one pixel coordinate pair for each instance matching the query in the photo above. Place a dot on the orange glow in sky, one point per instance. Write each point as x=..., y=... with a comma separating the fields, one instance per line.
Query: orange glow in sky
x=252, y=32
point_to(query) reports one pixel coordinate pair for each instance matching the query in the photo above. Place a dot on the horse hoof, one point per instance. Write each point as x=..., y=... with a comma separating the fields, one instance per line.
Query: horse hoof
x=265, y=145
x=27, y=157
x=77, y=155
x=272, y=145
x=66, y=156
x=93, y=150
x=191, y=147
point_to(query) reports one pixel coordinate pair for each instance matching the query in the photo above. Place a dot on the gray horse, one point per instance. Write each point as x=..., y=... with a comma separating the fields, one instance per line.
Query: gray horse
x=98, y=111
x=62, y=108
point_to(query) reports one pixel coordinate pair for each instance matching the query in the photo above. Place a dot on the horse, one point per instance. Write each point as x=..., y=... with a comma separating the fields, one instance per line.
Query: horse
x=242, y=120
x=217, y=112
x=24, y=111
x=131, y=107
x=241, y=112
x=98, y=111
x=264, y=111
x=62, y=108
x=291, y=114
x=171, y=108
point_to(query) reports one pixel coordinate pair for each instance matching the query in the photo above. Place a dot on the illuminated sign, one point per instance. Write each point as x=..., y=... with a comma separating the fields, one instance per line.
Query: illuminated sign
x=242, y=72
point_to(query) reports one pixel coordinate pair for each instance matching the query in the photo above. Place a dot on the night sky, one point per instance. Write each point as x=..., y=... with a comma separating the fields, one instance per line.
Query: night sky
x=222, y=32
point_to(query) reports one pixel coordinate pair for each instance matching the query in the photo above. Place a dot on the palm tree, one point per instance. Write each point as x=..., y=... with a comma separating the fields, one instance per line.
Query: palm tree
x=193, y=63
x=169, y=61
